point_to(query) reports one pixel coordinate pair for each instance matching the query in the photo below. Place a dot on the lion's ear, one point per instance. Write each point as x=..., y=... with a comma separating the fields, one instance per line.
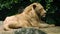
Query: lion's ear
x=34, y=6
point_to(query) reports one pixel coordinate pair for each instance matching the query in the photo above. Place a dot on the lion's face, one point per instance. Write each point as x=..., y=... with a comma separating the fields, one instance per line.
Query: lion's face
x=39, y=9
x=42, y=12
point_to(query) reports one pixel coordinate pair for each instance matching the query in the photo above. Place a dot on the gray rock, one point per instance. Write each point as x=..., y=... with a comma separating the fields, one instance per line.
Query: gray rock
x=29, y=31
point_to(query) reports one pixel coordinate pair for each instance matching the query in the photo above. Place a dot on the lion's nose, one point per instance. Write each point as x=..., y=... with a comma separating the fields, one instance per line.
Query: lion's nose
x=45, y=12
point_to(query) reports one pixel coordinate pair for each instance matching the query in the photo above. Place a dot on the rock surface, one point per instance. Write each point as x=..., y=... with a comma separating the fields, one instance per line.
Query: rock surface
x=50, y=30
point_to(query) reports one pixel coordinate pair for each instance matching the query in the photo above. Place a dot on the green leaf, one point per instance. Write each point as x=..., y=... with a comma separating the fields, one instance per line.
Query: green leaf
x=2, y=5
x=35, y=0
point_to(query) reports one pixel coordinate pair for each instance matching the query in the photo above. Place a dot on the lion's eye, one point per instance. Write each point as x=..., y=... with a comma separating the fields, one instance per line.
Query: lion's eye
x=41, y=8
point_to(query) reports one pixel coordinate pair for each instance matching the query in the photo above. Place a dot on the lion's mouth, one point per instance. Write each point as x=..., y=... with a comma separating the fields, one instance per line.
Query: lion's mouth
x=43, y=15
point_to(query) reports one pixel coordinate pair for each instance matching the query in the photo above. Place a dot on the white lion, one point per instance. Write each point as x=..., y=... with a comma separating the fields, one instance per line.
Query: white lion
x=30, y=17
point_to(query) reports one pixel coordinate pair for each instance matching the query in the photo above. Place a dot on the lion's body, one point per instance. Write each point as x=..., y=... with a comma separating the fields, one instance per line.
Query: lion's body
x=28, y=18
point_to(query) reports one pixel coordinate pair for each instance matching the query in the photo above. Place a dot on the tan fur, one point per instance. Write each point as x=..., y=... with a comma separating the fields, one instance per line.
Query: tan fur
x=28, y=18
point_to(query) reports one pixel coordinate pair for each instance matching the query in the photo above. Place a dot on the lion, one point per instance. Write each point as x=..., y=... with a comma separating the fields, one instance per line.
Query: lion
x=30, y=17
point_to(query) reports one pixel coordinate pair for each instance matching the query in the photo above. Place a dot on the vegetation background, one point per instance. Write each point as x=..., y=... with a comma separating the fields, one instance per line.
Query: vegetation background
x=12, y=7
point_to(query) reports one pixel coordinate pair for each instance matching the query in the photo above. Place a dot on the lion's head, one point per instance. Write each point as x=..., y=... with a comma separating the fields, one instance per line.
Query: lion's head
x=39, y=9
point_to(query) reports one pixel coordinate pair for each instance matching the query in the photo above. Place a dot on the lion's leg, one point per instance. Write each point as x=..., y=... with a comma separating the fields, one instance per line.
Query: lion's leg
x=15, y=26
x=6, y=28
x=44, y=25
x=11, y=26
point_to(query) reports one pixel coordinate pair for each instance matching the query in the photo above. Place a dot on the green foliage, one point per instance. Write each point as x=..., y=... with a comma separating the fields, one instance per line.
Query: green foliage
x=6, y=3
x=35, y=0
x=50, y=8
